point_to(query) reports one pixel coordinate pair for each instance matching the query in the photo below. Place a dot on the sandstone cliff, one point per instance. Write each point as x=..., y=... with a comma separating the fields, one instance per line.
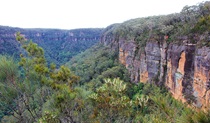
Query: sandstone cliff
x=183, y=69
x=167, y=57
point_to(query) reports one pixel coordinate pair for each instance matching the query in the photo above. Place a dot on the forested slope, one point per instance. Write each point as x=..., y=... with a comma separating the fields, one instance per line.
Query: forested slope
x=59, y=45
x=131, y=76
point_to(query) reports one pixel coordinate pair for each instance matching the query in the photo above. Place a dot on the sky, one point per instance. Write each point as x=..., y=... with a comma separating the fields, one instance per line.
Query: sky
x=71, y=14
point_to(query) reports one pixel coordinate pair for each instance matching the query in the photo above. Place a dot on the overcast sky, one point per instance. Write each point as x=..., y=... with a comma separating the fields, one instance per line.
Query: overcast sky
x=70, y=14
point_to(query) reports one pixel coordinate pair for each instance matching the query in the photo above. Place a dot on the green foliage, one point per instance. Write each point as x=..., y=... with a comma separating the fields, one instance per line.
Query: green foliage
x=59, y=45
x=97, y=63
x=33, y=91
x=201, y=117
x=49, y=117
x=191, y=20
x=148, y=103
x=194, y=117
x=9, y=69
x=111, y=103
x=202, y=25
x=46, y=94
x=8, y=75
x=63, y=45
x=161, y=107
x=25, y=96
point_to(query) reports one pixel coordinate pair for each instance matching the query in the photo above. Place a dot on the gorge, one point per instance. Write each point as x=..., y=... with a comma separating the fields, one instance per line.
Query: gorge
x=148, y=69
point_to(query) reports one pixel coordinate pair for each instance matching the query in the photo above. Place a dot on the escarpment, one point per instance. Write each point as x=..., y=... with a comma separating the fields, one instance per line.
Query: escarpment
x=168, y=51
x=184, y=69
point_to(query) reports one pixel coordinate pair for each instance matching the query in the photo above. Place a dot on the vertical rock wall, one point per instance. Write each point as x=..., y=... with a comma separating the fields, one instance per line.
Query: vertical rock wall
x=183, y=69
x=180, y=69
x=201, y=81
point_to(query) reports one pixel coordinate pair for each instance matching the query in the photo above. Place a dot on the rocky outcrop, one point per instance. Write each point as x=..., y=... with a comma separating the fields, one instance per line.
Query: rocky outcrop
x=183, y=69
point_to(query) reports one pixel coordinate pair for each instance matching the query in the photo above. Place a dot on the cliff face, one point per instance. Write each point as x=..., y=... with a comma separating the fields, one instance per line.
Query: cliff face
x=171, y=51
x=184, y=69
x=59, y=45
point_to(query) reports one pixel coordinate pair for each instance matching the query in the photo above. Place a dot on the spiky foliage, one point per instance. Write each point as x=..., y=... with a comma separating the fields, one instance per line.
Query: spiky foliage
x=112, y=104
x=8, y=69
x=8, y=91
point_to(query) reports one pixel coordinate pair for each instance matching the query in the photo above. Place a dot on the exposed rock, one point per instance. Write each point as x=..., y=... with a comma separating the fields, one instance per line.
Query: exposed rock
x=180, y=69
x=153, y=58
x=163, y=62
x=143, y=69
x=201, y=83
x=183, y=69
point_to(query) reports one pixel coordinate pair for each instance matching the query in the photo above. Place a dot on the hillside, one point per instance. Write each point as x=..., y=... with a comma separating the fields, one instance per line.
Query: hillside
x=171, y=51
x=97, y=63
x=59, y=45
x=144, y=70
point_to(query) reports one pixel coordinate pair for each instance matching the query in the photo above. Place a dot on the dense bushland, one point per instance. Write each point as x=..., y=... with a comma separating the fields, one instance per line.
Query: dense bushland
x=188, y=24
x=32, y=90
x=59, y=45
